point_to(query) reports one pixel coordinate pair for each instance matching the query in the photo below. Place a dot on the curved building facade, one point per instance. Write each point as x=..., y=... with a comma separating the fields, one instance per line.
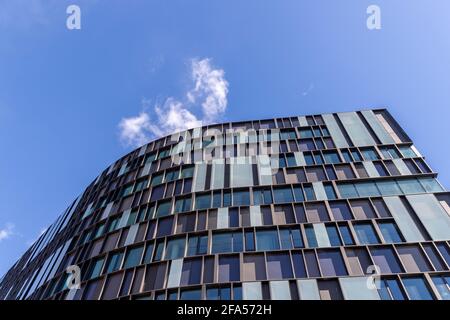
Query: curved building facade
x=331, y=206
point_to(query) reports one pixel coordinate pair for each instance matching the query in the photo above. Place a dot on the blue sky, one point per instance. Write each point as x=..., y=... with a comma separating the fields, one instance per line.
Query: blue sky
x=64, y=92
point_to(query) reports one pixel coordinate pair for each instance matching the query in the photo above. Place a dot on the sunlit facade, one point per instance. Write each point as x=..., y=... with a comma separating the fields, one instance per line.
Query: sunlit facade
x=331, y=206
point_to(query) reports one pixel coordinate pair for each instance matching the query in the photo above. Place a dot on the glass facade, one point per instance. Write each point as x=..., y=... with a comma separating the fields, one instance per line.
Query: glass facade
x=302, y=207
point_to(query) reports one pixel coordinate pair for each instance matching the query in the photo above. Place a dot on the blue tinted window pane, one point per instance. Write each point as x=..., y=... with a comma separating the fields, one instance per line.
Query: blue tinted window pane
x=133, y=257
x=388, y=188
x=297, y=238
x=237, y=292
x=409, y=186
x=308, y=159
x=417, y=289
x=369, y=154
x=356, y=155
x=331, y=157
x=285, y=239
x=430, y=185
x=241, y=198
x=367, y=189
x=347, y=190
x=249, y=241
x=237, y=242
x=175, y=248
x=329, y=190
x=442, y=284
x=346, y=155
x=390, y=232
x=192, y=294
x=311, y=237
x=222, y=242
x=203, y=201
x=282, y=195
x=217, y=200
x=298, y=194
x=114, y=262
x=365, y=233
x=346, y=235
x=309, y=192
x=267, y=240
x=333, y=235
x=227, y=199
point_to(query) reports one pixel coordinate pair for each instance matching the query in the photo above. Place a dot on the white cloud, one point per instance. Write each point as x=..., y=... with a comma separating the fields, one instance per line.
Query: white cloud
x=210, y=90
x=7, y=231
x=211, y=86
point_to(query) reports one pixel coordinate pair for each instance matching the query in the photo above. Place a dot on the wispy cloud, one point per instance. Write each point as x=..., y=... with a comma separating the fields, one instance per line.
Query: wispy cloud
x=209, y=90
x=7, y=231
x=307, y=91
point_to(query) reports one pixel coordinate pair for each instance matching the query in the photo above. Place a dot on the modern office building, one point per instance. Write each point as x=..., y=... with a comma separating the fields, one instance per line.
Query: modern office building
x=331, y=206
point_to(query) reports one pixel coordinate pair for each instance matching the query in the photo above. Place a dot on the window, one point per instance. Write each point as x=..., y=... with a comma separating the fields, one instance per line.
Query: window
x=442, y=284
x=279, y=266
x=407, y=152
x=283, y=195
x=413, y=258
x=329, y=190
x=175, y=248
x=227, y=242
x=388, y=187
x=347, y=190
x=390, y=232
x=367, y=189
x=331, y=263
x=331, y=157
x=298, y=194
x=290, y=238
x=229, y=269
x=369, y=154
x=365, y=233
x=203, y=201
x=165, y=227
x=390, y=290
x=191, y=294
x=197, y=245
x=187, y=172
x=267, y=240
x=356, y=155
x=241, y=198
x=315, y=174
x=262, y=196
x=157, y=179
x=182, y=205
x=133, y=257
x=163, y=208
x=96, y=268
x=114, y=262
x=362, y=209
x=333, y=235
x=417, y=288
x=171, y=175
x=306, y=133
x=254, y=267
x=346, y=234
x=409, y=186
x=191, y=271
x=386, y=259
x=309, y=193
x=317, y=212
x=218, y=293
x=340, y=210
x=249, y=241
x=311, y=237
x=346, y=155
